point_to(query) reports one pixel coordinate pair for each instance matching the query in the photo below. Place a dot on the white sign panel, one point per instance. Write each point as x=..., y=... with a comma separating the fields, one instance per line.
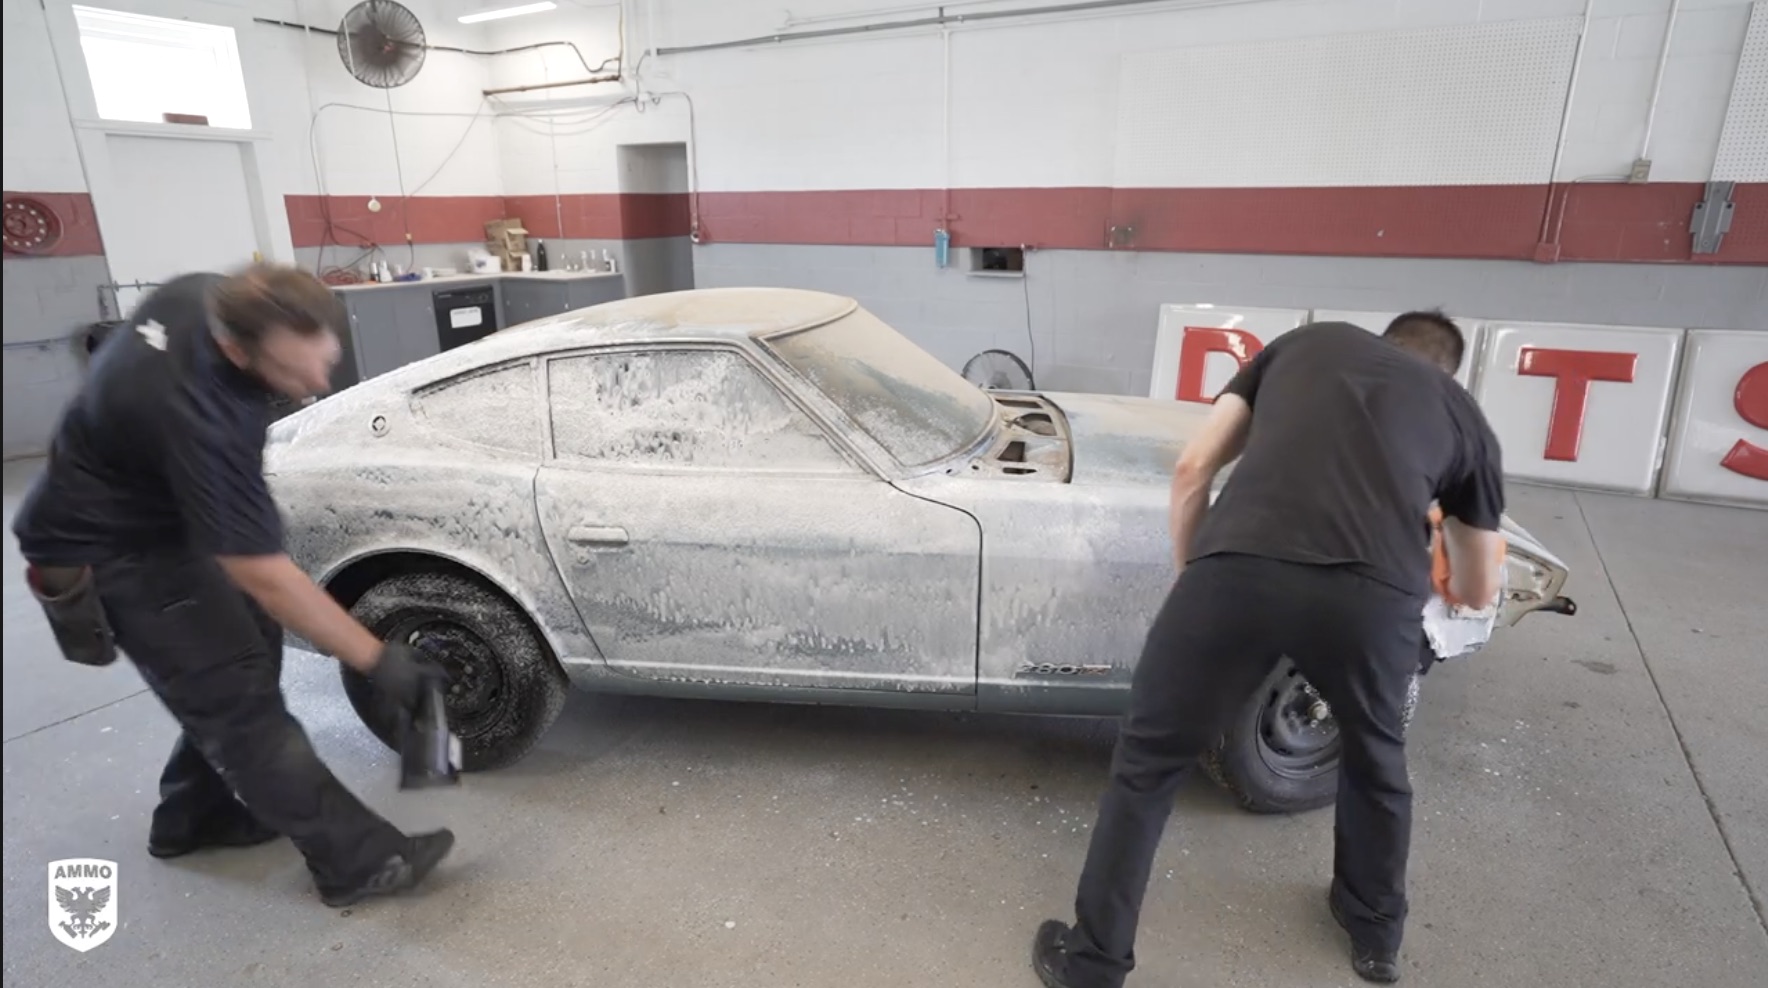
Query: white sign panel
x=1583, y=406
x=1199, y=348
x=1377, y=322
x=1719, y=449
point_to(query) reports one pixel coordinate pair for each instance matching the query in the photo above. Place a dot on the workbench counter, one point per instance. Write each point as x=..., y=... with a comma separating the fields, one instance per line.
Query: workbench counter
x=478, y=278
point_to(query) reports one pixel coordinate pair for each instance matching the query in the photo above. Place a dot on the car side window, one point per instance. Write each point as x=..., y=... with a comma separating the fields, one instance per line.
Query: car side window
x=497, y=409
x=687, y=408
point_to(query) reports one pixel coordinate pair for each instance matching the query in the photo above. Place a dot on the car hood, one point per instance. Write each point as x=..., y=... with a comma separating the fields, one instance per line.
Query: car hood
x=1119, y=440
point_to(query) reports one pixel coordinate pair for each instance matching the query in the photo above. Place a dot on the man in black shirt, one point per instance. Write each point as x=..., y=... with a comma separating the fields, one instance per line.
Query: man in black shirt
x=1317, y=548
x=152, y=531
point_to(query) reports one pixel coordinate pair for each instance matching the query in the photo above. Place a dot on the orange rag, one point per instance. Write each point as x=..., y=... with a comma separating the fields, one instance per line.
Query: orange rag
x=1439, y=557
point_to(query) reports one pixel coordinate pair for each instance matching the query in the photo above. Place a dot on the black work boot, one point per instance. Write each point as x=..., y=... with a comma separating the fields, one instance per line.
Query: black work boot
x=1049, y=954
x=422, y=853
x=231, y=827
x=1381, y=967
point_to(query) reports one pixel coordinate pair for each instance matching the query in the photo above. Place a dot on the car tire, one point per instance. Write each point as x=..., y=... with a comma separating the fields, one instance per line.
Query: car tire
x=1273, y=764
x=506, y=689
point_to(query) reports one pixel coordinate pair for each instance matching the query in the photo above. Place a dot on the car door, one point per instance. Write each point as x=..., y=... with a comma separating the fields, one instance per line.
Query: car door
x=711, y=531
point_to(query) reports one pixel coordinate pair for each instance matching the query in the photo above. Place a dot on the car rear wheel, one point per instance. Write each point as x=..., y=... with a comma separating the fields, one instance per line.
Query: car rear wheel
x=505, y=689
x=1281, y=753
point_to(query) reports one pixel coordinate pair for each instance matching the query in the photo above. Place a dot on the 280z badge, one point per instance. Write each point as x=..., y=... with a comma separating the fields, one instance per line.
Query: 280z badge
x=1059, y=669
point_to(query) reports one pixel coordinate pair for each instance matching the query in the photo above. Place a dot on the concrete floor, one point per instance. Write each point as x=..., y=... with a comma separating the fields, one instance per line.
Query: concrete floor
x=1592, y=810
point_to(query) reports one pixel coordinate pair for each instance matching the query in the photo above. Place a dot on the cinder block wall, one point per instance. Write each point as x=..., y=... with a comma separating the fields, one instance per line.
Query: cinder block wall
x=1332, y=153
x=1092, y=313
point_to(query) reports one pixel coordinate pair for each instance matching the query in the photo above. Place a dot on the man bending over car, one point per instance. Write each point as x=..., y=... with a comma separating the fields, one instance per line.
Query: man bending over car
x=1317, y=548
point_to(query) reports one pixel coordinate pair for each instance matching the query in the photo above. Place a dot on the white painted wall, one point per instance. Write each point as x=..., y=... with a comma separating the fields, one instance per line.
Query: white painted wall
x=432, y=115
x=1035, y=103
x=40, y=153
x=300, y=79
x=1029, y=102
x=562, y=141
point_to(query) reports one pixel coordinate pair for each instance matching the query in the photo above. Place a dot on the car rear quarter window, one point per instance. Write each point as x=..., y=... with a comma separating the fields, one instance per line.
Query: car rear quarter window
x=682, y=408
x=496, y=409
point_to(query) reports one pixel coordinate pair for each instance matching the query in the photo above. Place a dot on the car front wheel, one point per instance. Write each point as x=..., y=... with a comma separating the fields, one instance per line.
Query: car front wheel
x=505, y=690
x=1281, y=752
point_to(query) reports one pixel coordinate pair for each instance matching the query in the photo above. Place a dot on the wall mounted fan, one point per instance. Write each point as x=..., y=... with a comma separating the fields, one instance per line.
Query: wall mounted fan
x=998, y=370
x=382, y=43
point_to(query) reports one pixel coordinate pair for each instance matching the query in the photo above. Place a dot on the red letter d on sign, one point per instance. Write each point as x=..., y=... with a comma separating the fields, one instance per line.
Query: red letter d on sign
x=1199, y=343
x=1573, y=370
x=1751, y=402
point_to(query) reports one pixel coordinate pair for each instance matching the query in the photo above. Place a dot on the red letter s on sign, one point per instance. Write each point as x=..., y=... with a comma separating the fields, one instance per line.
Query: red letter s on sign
x=1751, y=402
x=1199, y=343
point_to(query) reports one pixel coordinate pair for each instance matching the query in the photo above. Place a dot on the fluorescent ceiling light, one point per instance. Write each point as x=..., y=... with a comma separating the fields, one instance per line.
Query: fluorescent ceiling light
x=517, y=11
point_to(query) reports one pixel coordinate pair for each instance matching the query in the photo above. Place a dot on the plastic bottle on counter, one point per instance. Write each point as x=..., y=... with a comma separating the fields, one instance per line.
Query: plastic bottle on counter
x=540, y=255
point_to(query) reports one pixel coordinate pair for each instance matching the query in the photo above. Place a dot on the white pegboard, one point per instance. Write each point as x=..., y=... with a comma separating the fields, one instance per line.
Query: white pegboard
x=1743, y=145
x=1475, y=104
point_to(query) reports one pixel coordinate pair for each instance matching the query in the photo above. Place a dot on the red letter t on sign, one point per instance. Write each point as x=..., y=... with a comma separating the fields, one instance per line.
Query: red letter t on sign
x=1199, y=343
x=1751, y=402
x=1573, y=371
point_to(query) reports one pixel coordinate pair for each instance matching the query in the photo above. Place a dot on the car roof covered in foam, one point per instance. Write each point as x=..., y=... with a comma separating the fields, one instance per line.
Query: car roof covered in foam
x=694, y=314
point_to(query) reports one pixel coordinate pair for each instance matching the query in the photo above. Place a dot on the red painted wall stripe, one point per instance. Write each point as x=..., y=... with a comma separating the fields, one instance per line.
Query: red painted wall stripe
x=1588, y=222
x=316, y=221
x=79, y=225
x=346, y=221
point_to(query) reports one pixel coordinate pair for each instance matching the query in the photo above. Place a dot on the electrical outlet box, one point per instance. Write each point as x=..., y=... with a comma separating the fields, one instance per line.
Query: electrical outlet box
x=1641, y=171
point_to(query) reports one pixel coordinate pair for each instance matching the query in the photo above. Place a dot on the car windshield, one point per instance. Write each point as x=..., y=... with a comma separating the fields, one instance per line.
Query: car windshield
x=917, y=408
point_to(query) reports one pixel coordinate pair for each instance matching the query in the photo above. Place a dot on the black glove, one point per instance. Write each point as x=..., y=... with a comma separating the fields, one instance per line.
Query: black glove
x=403, y=673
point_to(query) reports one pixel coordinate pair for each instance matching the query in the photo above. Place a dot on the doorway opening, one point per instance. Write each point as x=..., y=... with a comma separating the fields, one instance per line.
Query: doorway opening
x=655, y=218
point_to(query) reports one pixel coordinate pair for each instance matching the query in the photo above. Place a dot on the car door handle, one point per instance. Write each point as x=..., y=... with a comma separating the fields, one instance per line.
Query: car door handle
x=602, y=535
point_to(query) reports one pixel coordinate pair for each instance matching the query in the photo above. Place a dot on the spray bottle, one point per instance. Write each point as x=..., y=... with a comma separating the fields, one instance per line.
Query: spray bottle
x=429, y=751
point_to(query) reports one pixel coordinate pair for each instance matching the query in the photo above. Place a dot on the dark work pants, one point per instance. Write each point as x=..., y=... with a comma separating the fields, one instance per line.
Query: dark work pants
x=214, y=659
x=1223, y=628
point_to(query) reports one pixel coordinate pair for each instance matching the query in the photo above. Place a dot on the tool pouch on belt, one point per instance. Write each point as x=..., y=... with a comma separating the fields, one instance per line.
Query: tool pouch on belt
x=76, y=616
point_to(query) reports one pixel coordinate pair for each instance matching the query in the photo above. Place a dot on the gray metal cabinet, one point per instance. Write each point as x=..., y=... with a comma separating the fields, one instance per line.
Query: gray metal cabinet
x=526, y=298
x=390, y=326
x=394, y=325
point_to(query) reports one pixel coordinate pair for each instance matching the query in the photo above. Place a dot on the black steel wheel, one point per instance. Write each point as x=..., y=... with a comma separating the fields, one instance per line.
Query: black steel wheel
x=505, y=689
x=1281, y=752
x=1297, y=737
x=476, y=683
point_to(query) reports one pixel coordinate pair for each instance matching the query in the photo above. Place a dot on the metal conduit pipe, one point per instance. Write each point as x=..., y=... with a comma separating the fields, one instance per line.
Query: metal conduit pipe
x=943, y=19
x=1657, y=82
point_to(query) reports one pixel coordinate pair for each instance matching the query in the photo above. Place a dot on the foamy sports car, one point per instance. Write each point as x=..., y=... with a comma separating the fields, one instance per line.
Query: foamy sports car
x=765, y=494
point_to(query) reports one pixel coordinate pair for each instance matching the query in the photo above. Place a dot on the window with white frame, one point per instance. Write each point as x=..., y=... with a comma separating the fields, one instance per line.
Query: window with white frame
x=143, y=68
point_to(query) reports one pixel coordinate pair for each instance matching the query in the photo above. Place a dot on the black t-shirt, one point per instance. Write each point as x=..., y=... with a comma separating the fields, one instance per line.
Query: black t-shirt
x=1351, y=439
x=162, y=448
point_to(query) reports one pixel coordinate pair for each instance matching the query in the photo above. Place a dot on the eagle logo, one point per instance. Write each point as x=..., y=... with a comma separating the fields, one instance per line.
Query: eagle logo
x=83, y=906
x=83, y=901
